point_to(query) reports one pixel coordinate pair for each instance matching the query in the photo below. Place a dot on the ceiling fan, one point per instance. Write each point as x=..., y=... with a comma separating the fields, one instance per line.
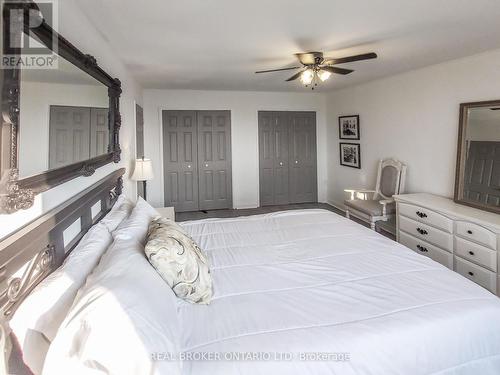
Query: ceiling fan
x=317, y=68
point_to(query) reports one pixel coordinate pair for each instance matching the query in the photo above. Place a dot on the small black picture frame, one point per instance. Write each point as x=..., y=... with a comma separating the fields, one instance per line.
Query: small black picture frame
x=350, y=155
x=349, y=127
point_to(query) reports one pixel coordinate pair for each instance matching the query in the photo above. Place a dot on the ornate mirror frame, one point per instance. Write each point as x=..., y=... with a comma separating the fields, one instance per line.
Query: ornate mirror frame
x=461, y=155
x=15, y=193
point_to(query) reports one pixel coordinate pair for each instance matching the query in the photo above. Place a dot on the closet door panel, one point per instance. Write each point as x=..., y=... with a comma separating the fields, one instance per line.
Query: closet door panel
x=180, y=160
x=482, y=172
x=99, y=131
x=214, y=159
x=303, y=166
x=69, y=135
x=266, y=158
x=281, y=162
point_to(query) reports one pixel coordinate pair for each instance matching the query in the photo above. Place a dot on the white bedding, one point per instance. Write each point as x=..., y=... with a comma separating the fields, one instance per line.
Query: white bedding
x=312, y=282
x=287, y=285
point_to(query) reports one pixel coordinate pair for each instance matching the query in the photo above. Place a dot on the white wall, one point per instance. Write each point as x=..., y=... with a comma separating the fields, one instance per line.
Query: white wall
x=74, y=26
x=244, y=107
x=413, y=117
x=36, y=99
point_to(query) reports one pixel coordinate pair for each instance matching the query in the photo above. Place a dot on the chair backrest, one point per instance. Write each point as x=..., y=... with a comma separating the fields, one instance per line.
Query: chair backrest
x=390, y=178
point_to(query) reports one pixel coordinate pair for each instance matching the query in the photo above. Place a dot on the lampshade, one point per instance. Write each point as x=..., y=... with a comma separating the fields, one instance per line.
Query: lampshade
x=143, y=170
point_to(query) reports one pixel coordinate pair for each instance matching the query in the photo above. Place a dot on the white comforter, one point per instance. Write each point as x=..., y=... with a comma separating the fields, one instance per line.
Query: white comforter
x=311, y=283
x=297, y=292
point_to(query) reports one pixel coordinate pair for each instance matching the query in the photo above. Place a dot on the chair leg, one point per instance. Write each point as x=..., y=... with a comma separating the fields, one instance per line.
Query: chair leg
x=372, y=225
x=347, y=215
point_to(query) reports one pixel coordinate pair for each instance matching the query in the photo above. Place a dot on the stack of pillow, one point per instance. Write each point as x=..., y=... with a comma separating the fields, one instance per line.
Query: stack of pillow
x=127, y=306
x=95, y=274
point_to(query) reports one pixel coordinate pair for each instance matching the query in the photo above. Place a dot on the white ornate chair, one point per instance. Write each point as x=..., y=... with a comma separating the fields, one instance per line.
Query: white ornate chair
x=380, y=207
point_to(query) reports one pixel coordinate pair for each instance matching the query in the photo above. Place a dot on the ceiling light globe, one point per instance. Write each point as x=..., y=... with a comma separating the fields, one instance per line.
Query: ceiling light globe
x=307, y=77
x=324, y=75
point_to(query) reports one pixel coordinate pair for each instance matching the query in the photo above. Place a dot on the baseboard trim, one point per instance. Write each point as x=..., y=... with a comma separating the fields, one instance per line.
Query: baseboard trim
x=336, y=206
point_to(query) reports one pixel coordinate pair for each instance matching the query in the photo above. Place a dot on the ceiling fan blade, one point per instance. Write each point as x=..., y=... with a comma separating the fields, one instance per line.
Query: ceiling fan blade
x=342, y=60
x=295, y=76
x=310, y=58
x=277, y=70
x=334, y=69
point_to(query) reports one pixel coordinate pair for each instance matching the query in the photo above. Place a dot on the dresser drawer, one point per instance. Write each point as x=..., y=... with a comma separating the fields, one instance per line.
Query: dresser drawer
x=477, y=233
x=479, y=275
x=476, y=253
x=424, y=248
x=427, y=233
x=426, y=216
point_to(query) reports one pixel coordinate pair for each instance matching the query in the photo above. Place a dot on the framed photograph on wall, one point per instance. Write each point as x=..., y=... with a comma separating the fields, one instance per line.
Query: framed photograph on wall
x=350, y=155
x=349, y=127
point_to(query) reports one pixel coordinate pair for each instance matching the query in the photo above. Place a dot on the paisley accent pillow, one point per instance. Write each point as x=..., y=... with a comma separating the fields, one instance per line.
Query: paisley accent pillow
x=179, y=261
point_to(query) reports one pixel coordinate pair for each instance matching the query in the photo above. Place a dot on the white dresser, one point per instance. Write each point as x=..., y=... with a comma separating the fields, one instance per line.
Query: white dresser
x=464, y=239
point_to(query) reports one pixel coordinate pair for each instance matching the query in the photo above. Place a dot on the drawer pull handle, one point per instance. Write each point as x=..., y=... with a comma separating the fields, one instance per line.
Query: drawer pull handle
x=471, y=253
x=421, y=214
x=469, y=231
x=422, y=231
x=422, y=249
x=471, y=273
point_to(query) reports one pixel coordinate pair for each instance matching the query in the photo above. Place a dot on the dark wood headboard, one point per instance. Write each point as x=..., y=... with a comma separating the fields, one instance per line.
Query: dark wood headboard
x=40, y=246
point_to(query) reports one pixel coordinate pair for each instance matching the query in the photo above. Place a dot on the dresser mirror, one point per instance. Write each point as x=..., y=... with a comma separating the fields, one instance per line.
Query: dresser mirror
x=60, y=120
x=478, y=158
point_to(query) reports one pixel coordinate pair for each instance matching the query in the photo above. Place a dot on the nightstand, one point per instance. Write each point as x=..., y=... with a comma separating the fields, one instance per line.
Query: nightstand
x=166, y=212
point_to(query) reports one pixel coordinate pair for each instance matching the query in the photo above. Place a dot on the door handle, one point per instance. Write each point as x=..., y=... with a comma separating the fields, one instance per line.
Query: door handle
x=296, y=162
x=189, y=165
x=281, y=163
x=206, y=165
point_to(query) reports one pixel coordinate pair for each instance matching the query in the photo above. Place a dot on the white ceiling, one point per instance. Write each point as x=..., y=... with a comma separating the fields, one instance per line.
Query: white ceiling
x=218, y=44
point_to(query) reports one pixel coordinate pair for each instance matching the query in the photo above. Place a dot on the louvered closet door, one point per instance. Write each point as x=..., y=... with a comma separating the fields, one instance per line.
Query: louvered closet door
x=214, y=159
x=302, y=158
x=180, y=160
x=273, y=158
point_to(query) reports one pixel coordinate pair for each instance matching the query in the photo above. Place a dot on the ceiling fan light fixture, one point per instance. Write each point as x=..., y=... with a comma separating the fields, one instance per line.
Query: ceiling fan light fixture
x=324, y=75
x=307, y=76
x=316, y=68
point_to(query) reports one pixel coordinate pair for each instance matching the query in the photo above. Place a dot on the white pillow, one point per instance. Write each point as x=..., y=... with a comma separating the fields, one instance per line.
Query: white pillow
x=36, y=321
x=119, y=212
x=136, y=226
x=123, y=315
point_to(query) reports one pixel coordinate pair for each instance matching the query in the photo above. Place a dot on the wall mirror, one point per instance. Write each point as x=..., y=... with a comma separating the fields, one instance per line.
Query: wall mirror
x=478, y=159
x=57, y=123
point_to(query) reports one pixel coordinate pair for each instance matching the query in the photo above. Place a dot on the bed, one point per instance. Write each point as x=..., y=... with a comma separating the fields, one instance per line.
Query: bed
x=295, y=292
x=311, y=281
